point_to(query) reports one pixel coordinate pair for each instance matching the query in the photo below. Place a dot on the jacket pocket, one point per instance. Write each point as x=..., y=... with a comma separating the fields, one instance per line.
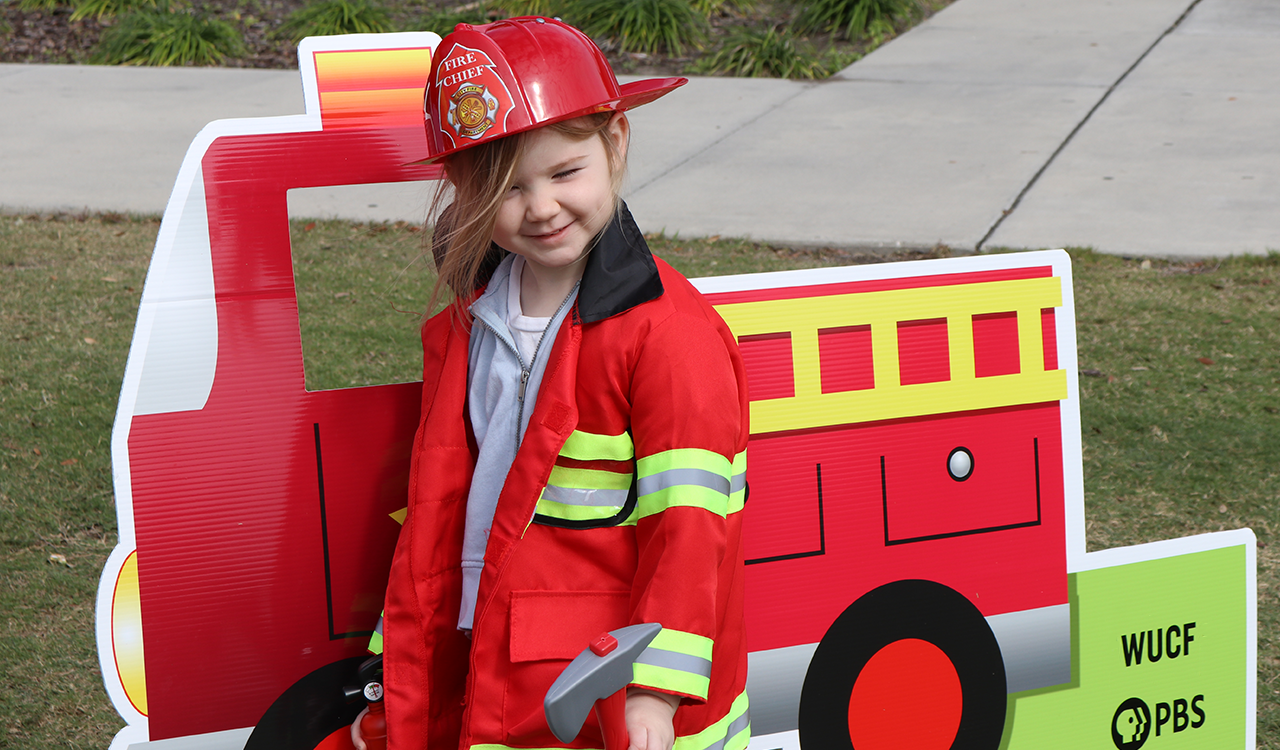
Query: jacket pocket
x=560, y=624
x=548, y=629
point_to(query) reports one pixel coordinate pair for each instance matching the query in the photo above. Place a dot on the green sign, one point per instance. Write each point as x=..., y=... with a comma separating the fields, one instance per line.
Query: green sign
x=1161, y=659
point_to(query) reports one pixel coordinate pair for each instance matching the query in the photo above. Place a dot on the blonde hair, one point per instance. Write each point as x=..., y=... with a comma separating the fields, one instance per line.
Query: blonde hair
x=480, y=176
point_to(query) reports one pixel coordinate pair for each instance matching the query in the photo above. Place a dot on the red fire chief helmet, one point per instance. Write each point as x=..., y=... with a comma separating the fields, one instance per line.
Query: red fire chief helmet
x=509, y=76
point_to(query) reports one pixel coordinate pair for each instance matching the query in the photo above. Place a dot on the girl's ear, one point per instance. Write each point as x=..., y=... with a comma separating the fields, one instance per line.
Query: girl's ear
x=619, y=131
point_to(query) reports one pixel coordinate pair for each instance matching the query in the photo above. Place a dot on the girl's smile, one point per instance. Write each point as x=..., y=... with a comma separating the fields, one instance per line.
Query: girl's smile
x=560, y=198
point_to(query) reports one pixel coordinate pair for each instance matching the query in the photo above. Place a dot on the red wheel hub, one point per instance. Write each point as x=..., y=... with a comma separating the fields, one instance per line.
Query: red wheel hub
x=908, y=695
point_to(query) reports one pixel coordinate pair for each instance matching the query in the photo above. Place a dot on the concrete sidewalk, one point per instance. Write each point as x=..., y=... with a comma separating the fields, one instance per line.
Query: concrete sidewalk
x=1135, y=127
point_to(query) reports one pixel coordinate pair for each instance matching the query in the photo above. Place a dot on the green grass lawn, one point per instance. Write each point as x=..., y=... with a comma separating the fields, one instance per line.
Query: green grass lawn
x=1180, y=400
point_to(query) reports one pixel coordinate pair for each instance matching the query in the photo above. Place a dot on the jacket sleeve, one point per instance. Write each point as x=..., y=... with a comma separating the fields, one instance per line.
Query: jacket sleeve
x=689, y=426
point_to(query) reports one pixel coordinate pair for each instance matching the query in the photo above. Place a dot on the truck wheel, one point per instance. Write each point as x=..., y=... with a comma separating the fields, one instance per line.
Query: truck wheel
x=909, y=664
x=310, y=712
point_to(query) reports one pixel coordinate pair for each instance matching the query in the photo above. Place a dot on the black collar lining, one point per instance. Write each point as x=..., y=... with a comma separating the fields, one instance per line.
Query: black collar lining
x=620, y=273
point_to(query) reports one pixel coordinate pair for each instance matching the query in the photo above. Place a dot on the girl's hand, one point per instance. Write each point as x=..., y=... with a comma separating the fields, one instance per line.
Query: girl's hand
x=357, y=738
x=649, y=719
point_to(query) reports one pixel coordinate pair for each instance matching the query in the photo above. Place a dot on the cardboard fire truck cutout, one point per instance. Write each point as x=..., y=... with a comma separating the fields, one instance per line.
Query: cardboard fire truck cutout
x=915, y=524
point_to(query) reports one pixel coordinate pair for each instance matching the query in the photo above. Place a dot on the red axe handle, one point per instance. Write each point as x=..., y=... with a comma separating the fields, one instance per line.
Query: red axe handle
x=611, y=712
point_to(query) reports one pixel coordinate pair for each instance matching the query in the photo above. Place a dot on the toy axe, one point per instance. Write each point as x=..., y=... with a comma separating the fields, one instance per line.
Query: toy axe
x=598, y=678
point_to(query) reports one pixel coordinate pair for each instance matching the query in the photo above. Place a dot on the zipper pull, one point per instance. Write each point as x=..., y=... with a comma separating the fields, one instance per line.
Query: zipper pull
x=524, y=380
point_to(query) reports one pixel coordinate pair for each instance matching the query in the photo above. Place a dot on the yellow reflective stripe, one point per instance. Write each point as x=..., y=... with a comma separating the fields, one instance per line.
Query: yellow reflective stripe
x=574, y=494
x=683, y=477
x=656, y=657
x=732, y=732
x=588, y=479
x=670, y=639
x=631, y=519
x=587, y=446
x=738, y=483
x=566, y=512
x=375, y=640
x=672, y=680
x=676, y=661
x=683, y=496
x=683, y=458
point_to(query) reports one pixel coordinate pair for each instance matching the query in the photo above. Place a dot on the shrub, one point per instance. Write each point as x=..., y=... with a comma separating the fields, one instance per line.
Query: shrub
x=512, y=8
x=853, y=18
x=108, y=8
x=330, y=17
x=442, y=22
x=708, y=7
x=150, y=37
x=33, y=5
x=639, y=25
x=766, y=53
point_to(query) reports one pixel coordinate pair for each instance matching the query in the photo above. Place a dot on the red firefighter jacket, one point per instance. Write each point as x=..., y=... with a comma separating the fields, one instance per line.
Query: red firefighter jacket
x=623, y=505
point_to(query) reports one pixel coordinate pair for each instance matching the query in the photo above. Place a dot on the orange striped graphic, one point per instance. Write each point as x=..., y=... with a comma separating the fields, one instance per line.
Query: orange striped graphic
x=372, y=88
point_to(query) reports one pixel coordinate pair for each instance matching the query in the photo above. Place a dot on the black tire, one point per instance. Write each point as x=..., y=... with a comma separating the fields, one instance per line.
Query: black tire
x=912, y=609
x=310, y=710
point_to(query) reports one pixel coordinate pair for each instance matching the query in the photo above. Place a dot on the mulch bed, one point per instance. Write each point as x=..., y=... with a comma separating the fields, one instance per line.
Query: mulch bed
x=46, y=36
x=49, y=36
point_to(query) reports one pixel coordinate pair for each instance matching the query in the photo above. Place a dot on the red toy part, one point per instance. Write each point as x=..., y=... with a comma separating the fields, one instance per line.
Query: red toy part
x=605, y=644
x=373, y=726
x=611, y=714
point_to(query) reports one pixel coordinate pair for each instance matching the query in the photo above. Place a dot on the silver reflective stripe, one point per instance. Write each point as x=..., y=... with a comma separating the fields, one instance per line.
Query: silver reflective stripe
x=735, y=726
x=738, y=483
x=683, y=477
x=595, y=498
x=657, y=657
x=378, y=629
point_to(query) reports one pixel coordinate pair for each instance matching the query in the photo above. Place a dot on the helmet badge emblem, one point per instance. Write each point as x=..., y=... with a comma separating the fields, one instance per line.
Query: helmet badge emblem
x=472, y=96
x=471, y=110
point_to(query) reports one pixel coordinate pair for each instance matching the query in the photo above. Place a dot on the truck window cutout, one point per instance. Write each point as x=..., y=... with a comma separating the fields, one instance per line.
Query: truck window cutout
x=847, y=362
x=1049, y=337
x=770, y=373
x=361, y=289
x=995, y=344
x=923, y=353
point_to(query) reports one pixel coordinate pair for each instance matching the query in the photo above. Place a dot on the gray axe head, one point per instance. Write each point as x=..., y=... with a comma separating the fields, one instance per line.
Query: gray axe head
x=593, y=676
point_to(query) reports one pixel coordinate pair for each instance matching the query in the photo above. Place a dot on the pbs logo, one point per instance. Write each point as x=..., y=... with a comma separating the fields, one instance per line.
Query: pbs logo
x=1131, y=725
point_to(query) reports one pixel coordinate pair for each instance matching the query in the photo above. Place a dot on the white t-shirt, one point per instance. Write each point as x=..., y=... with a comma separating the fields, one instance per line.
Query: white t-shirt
x=525, y=330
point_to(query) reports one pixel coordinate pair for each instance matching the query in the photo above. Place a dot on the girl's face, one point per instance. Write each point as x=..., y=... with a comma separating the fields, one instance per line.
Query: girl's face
x=560, y=199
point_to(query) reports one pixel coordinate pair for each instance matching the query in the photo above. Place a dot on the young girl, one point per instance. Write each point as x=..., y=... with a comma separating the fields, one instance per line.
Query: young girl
x=580, y=463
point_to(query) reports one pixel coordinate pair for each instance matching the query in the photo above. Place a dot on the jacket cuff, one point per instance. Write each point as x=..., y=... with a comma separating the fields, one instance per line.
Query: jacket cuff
x=676, y=662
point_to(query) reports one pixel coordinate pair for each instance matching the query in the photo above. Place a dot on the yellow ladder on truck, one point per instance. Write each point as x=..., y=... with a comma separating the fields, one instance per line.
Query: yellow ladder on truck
x=882, y=311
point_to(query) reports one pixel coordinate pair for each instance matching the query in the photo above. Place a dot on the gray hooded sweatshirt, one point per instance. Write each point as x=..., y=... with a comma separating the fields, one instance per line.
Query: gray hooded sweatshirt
x=501, y=391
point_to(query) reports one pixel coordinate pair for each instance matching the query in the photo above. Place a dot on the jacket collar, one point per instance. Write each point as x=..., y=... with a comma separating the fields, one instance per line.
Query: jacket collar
x=620, y=272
